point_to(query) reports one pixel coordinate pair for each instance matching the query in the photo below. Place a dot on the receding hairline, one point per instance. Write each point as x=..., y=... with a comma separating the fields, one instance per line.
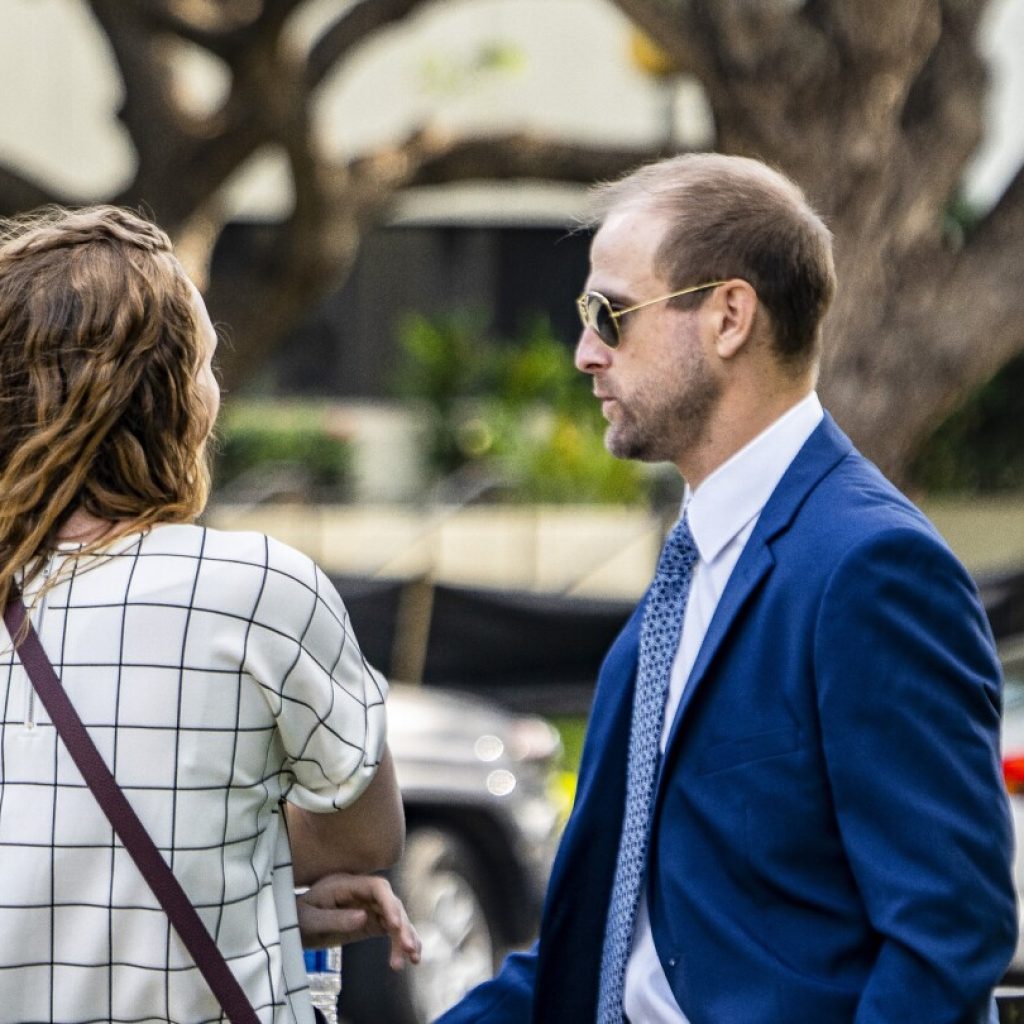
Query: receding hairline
x=658, y=186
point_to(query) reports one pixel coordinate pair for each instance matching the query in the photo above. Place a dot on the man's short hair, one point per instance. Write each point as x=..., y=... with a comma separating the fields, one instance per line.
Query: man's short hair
x=730, y=216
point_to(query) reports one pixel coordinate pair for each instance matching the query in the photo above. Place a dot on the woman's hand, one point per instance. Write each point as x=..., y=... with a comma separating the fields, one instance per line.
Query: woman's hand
x=342, y=908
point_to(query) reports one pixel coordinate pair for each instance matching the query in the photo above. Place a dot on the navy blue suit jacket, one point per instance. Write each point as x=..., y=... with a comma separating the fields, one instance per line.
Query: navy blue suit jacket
x=831, y=841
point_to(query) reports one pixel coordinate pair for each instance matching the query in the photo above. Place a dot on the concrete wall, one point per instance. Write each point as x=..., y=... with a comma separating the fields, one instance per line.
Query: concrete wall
x=586, y=550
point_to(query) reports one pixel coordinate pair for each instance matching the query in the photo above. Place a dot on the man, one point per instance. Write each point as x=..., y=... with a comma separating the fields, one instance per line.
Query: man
x=817, y=832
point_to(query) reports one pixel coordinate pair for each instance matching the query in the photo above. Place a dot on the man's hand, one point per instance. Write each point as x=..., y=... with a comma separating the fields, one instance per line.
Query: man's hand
x=347, y=908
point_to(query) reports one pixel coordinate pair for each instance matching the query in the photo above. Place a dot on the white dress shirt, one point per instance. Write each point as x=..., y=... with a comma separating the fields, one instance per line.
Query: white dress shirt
x=722, y=512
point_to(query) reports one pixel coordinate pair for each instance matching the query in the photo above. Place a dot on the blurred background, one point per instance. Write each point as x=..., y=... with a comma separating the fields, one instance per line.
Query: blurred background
x=383, y=199
x=384, y=203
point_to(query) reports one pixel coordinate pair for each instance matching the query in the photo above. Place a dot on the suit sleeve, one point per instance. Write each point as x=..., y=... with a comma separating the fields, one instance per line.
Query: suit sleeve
x=505, y=999
x=909, y=699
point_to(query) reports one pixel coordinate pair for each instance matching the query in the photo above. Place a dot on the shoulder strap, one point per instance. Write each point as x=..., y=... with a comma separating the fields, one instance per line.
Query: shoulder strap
x=126, y=823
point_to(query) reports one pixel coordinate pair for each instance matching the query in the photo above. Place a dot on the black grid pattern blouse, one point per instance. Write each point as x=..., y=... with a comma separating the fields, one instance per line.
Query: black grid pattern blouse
x=217, y=673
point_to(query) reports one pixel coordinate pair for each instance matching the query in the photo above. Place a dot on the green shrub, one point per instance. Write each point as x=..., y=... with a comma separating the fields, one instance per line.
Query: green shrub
x=520, y=411
x=257, y=437
x=445, y=360
x=978, y=449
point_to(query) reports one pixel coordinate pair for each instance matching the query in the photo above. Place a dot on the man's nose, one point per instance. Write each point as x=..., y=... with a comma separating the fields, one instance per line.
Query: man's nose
x=591, y=352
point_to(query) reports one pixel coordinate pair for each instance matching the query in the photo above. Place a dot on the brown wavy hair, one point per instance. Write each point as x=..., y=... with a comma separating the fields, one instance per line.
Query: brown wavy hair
x=99, y=404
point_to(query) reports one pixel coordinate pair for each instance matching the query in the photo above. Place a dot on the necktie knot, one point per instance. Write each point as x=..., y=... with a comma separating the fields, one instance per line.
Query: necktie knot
x=680, y=551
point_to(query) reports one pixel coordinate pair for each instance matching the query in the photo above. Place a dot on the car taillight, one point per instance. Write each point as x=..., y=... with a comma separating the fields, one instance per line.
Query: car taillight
x=1013, y=773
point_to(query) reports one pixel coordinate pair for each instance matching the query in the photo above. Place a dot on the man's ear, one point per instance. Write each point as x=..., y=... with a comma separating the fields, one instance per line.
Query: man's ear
x=733, y=307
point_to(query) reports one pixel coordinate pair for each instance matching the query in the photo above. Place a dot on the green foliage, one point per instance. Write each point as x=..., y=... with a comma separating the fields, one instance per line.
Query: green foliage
x=573, y=730
x=445, y=360
x=258, y=435
x=521, y=410
x=978, y=450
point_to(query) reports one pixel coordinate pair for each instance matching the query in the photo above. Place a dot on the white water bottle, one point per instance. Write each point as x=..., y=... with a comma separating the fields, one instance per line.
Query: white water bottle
x=323, y=967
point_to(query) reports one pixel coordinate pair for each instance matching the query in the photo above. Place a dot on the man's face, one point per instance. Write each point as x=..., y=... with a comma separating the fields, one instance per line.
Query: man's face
x=659, y=387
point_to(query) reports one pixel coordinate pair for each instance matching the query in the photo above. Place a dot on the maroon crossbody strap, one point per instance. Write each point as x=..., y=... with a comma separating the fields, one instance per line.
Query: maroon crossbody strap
x=126, y=823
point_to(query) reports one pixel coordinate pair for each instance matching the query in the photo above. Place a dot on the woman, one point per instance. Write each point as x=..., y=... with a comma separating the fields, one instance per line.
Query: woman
x=216, y=672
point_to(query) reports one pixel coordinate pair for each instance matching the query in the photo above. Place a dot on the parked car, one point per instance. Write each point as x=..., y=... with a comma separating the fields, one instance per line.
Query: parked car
x=483, y=820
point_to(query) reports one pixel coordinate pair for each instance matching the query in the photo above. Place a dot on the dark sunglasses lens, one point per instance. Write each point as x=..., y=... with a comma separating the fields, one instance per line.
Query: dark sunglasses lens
x=599, y=314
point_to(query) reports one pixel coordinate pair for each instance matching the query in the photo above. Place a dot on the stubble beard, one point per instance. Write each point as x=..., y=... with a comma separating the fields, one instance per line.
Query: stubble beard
x=662, y=421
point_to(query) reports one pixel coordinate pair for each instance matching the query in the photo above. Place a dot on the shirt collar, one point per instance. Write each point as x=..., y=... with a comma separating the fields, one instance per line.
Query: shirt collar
x=735, y=493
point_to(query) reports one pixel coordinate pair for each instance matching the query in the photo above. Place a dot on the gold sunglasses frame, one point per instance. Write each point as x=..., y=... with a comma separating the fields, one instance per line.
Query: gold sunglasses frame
x=584, y=312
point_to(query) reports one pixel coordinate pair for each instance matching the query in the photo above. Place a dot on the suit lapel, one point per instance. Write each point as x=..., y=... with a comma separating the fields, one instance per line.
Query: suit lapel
x=755, y=563
x=826, y=446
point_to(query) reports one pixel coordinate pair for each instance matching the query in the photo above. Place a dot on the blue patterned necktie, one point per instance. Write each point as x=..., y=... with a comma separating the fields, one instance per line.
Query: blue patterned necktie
x=659, y=642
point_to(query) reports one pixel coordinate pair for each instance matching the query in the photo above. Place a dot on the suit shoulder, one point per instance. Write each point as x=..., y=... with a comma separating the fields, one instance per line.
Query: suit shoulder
x=854, y=517
x=855, y=502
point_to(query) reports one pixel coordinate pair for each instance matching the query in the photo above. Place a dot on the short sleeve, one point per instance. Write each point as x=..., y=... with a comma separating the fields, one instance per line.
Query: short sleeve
x=328, y=702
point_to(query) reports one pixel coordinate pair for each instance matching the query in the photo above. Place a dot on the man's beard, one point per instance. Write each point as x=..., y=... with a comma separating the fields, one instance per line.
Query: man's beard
x=664, y=420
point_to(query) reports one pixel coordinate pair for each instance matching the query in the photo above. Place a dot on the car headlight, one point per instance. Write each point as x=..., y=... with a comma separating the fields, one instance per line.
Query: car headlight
x=532, y=740
x=488, y=748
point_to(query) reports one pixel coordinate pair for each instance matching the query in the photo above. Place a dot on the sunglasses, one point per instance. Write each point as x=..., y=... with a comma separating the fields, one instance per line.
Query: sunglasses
x=597, y=313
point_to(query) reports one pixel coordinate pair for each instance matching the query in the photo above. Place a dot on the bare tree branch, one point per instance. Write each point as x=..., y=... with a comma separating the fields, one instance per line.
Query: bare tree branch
x=984, y=286
x=947, y=321
x=265, y=104
x=353, y=27
x=1004, y=222
x=209, y=27
x=298, y=261
x=432, y=158
x=879, y=34
x=942, y=122
x=675, y=26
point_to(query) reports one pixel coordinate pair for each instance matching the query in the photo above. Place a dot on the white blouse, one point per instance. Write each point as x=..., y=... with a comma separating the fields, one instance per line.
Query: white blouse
x=217, y=673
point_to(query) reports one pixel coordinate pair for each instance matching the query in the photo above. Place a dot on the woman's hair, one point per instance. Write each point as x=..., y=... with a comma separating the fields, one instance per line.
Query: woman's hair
x=729, y=216
x=100, y=409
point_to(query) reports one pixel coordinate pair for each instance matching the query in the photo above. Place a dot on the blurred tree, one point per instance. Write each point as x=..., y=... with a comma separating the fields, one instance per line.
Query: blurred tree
x=184, y=158
x=874, y=107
